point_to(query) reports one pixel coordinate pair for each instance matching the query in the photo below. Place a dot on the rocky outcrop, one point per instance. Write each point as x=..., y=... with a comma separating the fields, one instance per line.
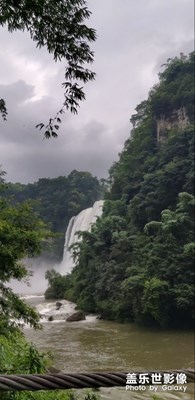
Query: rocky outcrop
x=177, y=121
x=77, y=316
x=58, y=305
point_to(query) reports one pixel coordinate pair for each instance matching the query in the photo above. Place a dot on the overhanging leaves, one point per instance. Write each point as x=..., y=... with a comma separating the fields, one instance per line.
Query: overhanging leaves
x=60, y=27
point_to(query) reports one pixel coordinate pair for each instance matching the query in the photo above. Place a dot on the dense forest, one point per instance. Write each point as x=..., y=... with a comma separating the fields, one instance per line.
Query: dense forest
x=55, y=201
x=136, y=264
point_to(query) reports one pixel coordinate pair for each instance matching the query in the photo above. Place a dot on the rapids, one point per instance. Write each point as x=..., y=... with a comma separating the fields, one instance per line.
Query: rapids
x=97, y=345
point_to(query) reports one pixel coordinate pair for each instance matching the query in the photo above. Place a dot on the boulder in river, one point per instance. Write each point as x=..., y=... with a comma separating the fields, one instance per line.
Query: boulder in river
x=58, y=305
x=77, y=316
x=99, y=317
x=50, y=318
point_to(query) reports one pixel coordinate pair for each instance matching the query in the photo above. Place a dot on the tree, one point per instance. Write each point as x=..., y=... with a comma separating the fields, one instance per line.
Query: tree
x=60, y=27
x=21, y=233
x=169, y=258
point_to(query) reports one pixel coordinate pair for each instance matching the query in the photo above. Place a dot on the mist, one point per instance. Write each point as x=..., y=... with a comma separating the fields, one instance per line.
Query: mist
x=36, y=282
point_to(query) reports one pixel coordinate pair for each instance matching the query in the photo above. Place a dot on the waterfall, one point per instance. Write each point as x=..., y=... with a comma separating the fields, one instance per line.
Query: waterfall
x=82, y=222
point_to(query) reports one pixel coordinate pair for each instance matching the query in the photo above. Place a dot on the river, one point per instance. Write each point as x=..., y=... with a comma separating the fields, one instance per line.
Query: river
x=97, y=345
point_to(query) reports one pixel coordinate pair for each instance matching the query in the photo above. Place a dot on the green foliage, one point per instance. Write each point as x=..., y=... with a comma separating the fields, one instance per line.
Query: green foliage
x=136, y=264
x=21, y=233
x=91, y=396
x=60, y=27
x=18, y=356
x=57, y=285
x=176, y=87
x=56, y=201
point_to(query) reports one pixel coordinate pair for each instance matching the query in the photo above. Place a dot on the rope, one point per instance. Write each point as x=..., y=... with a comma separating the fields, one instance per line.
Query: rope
x=80, y=381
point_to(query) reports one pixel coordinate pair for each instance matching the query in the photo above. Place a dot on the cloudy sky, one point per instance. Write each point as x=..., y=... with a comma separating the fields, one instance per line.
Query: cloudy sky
x=135, y=37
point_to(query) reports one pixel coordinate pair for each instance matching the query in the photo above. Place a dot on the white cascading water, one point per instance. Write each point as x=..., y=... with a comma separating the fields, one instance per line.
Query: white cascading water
x=82, y=222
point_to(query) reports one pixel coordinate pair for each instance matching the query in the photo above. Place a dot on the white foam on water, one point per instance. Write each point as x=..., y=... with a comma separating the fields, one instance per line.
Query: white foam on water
x=90, y=318
x=32, y=296
x=49, y=309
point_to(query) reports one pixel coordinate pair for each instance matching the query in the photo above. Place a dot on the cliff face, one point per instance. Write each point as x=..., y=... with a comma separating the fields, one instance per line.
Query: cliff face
x=177, y=121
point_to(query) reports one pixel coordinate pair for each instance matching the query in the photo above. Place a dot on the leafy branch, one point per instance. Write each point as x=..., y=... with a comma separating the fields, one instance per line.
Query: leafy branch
x=3, y=109
x=60, y=27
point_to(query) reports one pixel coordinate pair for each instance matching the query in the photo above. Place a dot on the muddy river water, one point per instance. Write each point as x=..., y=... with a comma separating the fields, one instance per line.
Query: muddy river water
x=97, y=345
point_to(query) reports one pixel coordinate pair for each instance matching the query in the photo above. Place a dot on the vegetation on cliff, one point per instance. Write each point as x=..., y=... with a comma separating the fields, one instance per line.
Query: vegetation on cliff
x=137, y=262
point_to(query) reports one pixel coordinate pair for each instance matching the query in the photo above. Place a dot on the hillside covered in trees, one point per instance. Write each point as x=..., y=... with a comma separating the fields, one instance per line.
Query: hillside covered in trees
x=55, y=201
x=137, y=262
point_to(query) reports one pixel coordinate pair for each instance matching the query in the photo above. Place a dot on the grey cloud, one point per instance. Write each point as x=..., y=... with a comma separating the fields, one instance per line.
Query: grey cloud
x=183, y=47
x=134, y=40
x=16, y=93
x=26, y=156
